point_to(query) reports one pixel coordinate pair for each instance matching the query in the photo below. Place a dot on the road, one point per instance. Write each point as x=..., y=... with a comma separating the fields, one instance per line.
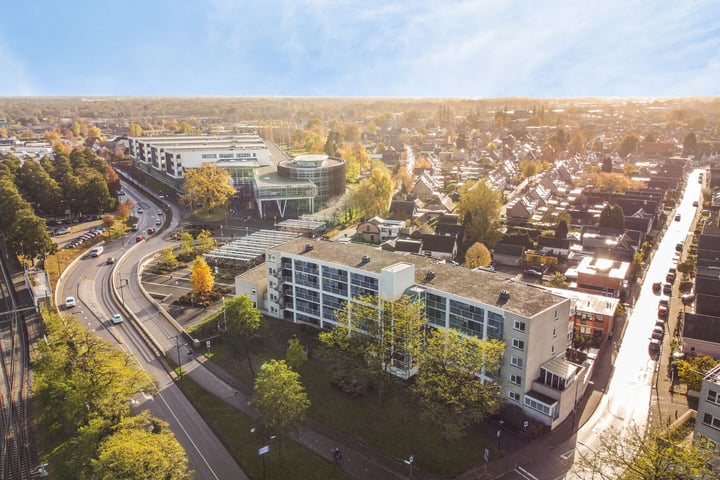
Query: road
x=88, y=282
x=626, y=401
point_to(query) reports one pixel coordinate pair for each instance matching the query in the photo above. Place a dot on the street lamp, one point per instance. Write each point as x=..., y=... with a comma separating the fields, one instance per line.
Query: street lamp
x=410, y=461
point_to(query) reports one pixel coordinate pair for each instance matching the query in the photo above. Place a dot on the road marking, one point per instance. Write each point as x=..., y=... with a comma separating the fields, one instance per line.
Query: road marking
x=525, y=474
x=567, y=454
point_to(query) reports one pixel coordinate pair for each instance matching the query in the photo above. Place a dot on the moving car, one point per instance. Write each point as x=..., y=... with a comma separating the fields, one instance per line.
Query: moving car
x=96, y=251
x=677, y=217
x=151, y=230
x=69, y=302
x=158, y=222
x=139, y=238
x=116, y=318
x=695, y=203
x=110, y=260
x=656, y=287
x=140, y=210
x=679, y=247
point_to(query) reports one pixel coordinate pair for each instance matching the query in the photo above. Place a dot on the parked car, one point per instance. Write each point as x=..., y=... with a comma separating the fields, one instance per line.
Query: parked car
x=530, y=272
x=670, y=277
x=660, y=324
x=62, y=231
x=69, y=302
x=662, y=310
x=688, y=298
x=654, y=345
x=677, y=217
x=679, y=247
x=658, y=333
x=695, y=203
x=667, y=289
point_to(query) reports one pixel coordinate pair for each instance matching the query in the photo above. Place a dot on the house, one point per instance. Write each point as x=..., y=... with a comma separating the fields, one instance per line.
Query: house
x=425, y=187
x=701, y=335
x=508, y=254
x=377, y=229
x=554, y=246
x=309, y=285
x=403, y=209
x=601, y=276
x=408, y=245
x=707, y=421
x=441, y=247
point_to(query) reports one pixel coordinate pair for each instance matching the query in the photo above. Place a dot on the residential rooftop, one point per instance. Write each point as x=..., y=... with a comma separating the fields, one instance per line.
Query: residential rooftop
x=524, y=299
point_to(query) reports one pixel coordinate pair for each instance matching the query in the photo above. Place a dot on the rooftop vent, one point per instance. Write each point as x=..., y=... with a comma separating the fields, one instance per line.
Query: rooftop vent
x=504, y=296
x=308, y=247
x=365, y=259
x=429, y=275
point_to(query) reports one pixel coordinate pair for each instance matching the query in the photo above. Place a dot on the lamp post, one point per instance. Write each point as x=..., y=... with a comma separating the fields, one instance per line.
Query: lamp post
x=410, y=461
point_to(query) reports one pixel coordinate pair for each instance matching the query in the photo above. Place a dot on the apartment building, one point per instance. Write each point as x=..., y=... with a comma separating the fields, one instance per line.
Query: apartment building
x=707, y=422
x=309, y=281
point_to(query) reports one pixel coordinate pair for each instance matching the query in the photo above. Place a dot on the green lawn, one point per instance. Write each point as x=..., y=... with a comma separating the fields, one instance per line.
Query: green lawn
x=289, y=460
x=392, y=426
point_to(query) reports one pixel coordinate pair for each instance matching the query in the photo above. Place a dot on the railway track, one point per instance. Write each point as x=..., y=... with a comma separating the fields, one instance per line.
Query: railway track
x=15, y=452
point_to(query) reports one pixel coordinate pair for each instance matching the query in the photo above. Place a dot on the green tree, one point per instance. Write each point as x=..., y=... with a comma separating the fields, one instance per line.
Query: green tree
x=477, y=255
x=451, y=394
x=690, y=144
x=629, y=144
x=140, y=447
x=205, y=241
x=28, y=236
x=607, y=165
x=561, y=230
x=187, y=244
x=633, y=454
x=243, y=323
x=295, y=355
x=479, y=207
x=692, y=370
x=333, y=143
x=372, y=338
x=612, y=216
x=201, y=277
x=208, y=187
x=280, y=397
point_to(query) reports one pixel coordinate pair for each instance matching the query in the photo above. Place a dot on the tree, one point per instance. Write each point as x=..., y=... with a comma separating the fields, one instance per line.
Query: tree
x=94, y=132
x=205, y=241
x=242, y=325
x=125, y=208
x=169, y=259
x=479, y=207
x=558, y=280
x=633, y=454
x=140, y=447
x=528, y=168
x=295, y=354
x=692, y=371
x=187, y=244
x=208, y=186
x=135, y=130
x=629, y=144
x=690, y=144
x=373, y=195
x=280, y=397
x=607, y=165
x=201, y=277
x=332, y=144
x=451, y=385
x=561, y=230
x=477, y=255
x=612, y=216
x=372, y=338
x=28, y=236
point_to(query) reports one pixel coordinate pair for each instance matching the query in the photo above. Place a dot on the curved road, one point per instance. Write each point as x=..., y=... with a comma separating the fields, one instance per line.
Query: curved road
x=88, y=281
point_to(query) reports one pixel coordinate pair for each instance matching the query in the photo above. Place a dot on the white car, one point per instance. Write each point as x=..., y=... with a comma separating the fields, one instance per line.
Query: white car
x=116, y=318
x=69, y=302
x=140, y=210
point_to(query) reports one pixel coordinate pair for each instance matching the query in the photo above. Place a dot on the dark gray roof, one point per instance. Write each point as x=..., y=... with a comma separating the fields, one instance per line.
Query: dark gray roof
x=439, y=243
x=701, y=327
x=408, y=245
x=509, y=250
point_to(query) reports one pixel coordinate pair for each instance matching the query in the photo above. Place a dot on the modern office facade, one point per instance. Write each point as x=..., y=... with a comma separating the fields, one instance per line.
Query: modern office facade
x=309, y=281
x=303, y=183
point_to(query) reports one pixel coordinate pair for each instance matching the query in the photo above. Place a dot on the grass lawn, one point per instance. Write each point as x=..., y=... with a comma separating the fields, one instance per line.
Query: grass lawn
x=392, y=426
x=217, y=214
x=289, y=460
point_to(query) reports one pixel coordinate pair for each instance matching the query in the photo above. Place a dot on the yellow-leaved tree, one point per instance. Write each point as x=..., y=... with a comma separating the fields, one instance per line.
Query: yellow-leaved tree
x=207, y=187
x=201, y=277
x=477, y=255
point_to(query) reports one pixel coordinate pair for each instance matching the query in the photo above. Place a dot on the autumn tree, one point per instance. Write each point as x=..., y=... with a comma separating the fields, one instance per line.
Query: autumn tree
x=479, y=207
x=208, y=186
x=243, y=322
x=187, y=245
x=279, y=397
x=629, y=144
x=169, y=259
x=607, y=165
x=477, y=255
x=451, y=385
x=634, y=454
x=205, y=242
x=692, y=370
x=373, y=195
x=135, y=130
x=690, y=144
x=201, y=277
x=558, y=280
x=140, y=447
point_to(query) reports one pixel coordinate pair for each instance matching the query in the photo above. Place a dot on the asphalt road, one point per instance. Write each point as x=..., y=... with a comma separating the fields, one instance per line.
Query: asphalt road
x=87, y=280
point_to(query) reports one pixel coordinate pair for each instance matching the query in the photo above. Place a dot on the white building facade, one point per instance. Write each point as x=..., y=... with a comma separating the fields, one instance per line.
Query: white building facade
x=308, y=282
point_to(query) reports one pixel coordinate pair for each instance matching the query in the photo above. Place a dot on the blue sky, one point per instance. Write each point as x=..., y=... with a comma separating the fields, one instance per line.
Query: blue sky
x=370, y=48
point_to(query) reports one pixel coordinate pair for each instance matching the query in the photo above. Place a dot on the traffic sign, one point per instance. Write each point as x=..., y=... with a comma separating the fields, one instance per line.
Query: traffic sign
x=264, y=450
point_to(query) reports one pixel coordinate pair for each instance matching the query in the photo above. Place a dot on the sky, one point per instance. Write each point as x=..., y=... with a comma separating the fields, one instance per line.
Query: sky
x=360, y=48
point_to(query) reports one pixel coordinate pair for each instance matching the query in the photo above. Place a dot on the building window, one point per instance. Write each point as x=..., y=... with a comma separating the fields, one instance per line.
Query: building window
x=514, y=396
x=710, y=421
x=519, y=344
x=516, y=362
x=516, y=379
x=519, y=326
x=713, y=397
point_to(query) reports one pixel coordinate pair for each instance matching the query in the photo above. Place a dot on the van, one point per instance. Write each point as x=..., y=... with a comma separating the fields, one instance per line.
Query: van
x=135, y=227
x=95, y=252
